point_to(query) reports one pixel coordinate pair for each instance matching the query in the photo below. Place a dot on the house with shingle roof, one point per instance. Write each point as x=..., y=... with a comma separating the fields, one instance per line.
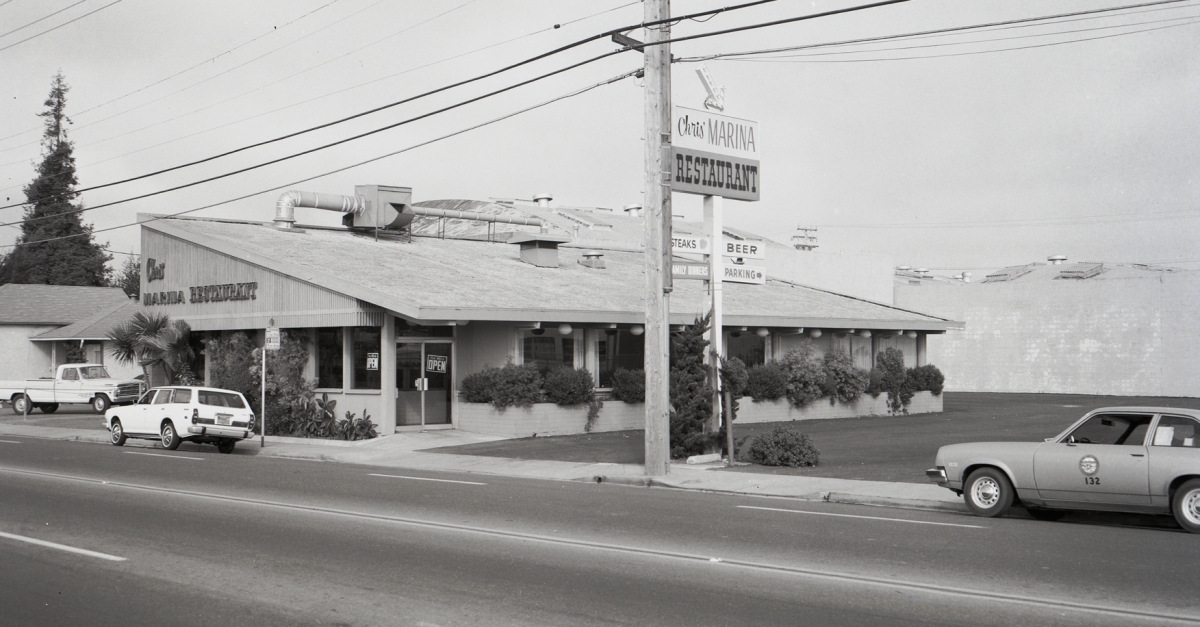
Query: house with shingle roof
x=405, y=299
x=41, y=324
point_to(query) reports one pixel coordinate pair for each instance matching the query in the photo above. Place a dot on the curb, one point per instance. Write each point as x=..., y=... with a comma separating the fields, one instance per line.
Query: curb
x=887, y=501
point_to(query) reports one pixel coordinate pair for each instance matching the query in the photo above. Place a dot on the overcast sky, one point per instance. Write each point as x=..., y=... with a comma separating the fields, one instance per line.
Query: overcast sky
x=949, y=152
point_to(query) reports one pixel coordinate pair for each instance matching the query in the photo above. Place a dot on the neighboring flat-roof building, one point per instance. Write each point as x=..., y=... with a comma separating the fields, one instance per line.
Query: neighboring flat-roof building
x=407, y=299
x=1064, y=327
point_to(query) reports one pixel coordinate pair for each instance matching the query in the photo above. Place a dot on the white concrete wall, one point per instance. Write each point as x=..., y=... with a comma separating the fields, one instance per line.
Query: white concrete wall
x=863, y=276
x=780, y=410
x=544, y=419
x=21, y=358
x=1132, y=336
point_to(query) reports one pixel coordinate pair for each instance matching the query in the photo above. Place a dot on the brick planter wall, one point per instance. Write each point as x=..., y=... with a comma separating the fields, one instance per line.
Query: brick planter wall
x=547, y=419
x=780, y=410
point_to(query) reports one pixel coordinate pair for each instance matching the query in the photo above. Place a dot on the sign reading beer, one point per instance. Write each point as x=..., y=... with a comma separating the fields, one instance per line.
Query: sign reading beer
x=714, y=154
x=744, y=249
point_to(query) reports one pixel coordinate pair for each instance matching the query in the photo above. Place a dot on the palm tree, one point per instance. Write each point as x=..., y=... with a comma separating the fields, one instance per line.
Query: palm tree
x=157, y=344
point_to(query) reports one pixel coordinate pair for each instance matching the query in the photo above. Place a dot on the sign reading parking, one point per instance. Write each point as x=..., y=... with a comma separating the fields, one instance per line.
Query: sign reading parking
x=745, y=274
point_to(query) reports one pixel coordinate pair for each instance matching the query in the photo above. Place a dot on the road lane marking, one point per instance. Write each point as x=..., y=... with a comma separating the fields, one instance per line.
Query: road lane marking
x=161, y=455
x=9, y=441
x=62, y=547
x=915, y=522
x=425, y=479
x=811, y=573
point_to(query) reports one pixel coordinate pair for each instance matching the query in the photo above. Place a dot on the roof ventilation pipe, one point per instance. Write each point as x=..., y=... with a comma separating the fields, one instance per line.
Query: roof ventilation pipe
x=543, y=199
x=1056, y=260
x=285, y=207
x=633, y=210
x=473, y=215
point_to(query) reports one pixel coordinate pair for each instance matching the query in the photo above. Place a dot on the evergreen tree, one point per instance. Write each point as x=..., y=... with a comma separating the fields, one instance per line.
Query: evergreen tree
x=52, y=213
x=130, y=277
x=691, y=391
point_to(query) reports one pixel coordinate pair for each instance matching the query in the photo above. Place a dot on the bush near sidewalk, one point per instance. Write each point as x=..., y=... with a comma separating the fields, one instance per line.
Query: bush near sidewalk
x=783, y=447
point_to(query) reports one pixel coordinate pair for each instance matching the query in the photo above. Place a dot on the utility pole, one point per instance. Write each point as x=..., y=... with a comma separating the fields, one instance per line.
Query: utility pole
x=657, y=202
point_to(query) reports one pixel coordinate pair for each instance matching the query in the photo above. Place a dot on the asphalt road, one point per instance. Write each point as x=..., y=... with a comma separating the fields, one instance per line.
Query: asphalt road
x=198, y=538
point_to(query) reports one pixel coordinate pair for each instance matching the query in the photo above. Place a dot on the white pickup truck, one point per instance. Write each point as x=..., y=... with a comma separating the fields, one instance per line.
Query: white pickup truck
x=73, y=383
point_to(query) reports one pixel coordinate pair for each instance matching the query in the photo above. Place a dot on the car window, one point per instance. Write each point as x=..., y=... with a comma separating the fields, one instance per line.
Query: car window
x=1177, y=431
x=147, y=398
x=164, y=397
x=1111, y=429
x=220, y=399
x=94, y=372
x=70, y=374
x=182, y=396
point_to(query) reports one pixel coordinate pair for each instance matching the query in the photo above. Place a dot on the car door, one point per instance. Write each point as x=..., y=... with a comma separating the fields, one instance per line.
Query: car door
x=1102, y=460
x=159, y=410
x=67, y=388
x=139, y=414
x=1174, y=449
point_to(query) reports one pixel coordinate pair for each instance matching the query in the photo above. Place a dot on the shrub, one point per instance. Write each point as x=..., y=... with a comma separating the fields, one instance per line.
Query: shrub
x=691, y=392
x=766, y=382
x=629, y=385
x=733, y=380
x=926, y=378
x=783, y=447
x=352, y=428
x=478, y=387
x=805, y=375
x=511, y=386
x=894, y=379
x=568, y=386
x=875, y=382
x=843, y=382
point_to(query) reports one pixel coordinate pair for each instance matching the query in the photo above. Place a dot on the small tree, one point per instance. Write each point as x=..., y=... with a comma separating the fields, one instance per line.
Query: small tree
x=691, y=392
x=162, y=347
x=843, y=382
x=894, y=380
x=805, y=375
x=129, y=278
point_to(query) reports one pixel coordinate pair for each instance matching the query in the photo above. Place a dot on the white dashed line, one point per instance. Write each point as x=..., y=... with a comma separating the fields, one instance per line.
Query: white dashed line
x=915, y=522
x=200, y=459
x=10, y=441
x=426, y=479
x=62, y=547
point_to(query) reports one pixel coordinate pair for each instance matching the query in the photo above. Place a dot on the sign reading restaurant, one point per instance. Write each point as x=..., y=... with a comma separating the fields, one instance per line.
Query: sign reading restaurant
x=714, y=155
x=204, y=294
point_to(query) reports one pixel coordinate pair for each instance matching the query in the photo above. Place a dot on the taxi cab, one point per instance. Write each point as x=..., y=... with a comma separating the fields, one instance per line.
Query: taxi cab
x=177, y=414
x=1124, y=459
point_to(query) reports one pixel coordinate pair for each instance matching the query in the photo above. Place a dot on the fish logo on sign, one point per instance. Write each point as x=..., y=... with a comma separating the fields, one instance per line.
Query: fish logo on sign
x=1089, y=465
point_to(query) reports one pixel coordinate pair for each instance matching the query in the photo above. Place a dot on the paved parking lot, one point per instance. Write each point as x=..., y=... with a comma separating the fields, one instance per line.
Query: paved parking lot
x=876, y=448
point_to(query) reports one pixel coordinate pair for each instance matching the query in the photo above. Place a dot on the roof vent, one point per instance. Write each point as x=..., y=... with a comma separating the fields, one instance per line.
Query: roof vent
x=922, y=271
x=904, y=268
x=1082, y=271
x=633, y=210
x=966, y=277
x=1056, y=259
x=593, y=259
x=1008, y=274
x=539, y=249
x=543, y=199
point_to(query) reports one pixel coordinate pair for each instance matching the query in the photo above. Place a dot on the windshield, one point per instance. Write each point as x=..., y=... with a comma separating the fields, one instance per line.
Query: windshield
x=94, y=372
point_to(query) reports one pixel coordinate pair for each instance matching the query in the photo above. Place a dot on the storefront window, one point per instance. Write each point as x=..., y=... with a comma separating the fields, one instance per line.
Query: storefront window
x=619, y=349
x=748, y=347
x=366, y=358
x=406, y=329
x=329, y=358
x=549, y=350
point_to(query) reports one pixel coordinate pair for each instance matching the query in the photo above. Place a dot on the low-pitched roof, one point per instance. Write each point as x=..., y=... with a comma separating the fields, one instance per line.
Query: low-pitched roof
x=55, y=304
x=94, y=327
x=432, y=279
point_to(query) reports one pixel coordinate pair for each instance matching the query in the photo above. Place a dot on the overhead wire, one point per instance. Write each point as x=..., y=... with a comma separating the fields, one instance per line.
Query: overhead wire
x=40, y=19
x=1106, y=218
x=50, y=30
x=442, y=89
x=393, y=153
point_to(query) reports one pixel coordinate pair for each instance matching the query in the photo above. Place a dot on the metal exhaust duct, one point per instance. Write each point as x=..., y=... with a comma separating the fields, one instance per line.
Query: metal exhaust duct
x=285, y=207
x=472, y=215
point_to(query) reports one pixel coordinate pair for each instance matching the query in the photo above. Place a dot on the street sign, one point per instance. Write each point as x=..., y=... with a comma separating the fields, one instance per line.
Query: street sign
x=689, y=270
x=745, y=274
x=689, y=244
x=272, y=343
x=436, y=363
x=711, y=174
x=372, y=361
x=696, y=129
x=744, y=249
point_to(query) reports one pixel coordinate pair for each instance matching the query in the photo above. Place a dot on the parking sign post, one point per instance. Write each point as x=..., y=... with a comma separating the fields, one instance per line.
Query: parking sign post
x=270, y=343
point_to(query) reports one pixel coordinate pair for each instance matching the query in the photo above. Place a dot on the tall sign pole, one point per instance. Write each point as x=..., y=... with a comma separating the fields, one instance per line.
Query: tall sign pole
x=657, y=202
x=713, y=216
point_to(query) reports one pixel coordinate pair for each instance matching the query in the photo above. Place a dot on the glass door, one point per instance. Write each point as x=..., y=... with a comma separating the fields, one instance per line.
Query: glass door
x=424, y=381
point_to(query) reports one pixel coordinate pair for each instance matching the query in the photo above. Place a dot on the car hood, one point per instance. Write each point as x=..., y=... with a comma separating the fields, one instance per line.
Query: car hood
x=978, y=450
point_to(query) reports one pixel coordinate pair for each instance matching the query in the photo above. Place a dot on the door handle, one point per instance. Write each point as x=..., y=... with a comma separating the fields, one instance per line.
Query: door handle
x=1137, y=454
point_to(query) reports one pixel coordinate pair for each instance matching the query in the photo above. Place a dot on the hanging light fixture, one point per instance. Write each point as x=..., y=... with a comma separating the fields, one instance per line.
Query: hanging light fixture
x=564, y=329
x=637, y=329
x=815, y=333
x=762, y=332
x=537, y=331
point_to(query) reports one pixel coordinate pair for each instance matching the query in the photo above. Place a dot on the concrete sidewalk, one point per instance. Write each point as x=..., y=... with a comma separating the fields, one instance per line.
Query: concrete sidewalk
x=407, y=450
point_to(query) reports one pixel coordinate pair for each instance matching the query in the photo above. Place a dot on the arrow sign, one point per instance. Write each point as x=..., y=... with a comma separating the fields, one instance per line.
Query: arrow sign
x=745, y=274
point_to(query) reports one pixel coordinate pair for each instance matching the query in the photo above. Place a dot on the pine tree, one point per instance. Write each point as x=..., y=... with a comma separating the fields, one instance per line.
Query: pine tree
x=691, y=391
x=52, y=213
x=129, y=278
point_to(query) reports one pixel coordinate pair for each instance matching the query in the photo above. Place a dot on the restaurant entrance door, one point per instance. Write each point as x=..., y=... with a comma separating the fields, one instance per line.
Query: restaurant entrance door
x=424, y=382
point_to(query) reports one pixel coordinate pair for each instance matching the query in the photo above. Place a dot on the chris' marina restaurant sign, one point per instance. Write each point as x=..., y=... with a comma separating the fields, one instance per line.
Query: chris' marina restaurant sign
x=714, y=154
x=156, y=271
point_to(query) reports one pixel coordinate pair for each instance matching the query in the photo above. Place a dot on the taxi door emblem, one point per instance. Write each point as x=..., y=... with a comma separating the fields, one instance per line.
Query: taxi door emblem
x=1089, y=465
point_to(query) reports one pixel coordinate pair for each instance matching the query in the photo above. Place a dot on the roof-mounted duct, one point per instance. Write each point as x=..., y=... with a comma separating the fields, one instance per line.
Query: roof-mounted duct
x=539, y=249
x=372, y=206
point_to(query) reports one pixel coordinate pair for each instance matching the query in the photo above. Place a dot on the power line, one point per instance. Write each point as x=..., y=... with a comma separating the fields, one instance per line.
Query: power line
x=432, y=92
x=577, y=92
x=353, y=87
x=72, y=21
x=1185, y=214
x=44, y=17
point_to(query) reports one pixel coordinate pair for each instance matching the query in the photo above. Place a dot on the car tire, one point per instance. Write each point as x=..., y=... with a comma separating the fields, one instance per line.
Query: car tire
x=18, y=404
x=170, y=438
x=100, y=404
x=1043, y=513
x=117, y=437
x=226, y=446
x=1185, y=504
x=988, y=492
x=48, y=408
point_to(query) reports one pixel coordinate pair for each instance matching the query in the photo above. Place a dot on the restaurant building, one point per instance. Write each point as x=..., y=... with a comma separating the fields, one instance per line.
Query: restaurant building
x=405, y=299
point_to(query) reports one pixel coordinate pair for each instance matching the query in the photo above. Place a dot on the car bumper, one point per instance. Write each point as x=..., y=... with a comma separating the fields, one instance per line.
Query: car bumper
x=938, y=476
x=219, y=432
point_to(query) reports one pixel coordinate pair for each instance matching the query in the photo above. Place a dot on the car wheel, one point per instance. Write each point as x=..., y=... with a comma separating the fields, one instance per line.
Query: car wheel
x=1186, y=506
x=1042, y=513
x=988, y=492
x=226, y=446
x=48, y=408
x=100, y=404
x=117, y=437
x=170, y=439
x=18, y=404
